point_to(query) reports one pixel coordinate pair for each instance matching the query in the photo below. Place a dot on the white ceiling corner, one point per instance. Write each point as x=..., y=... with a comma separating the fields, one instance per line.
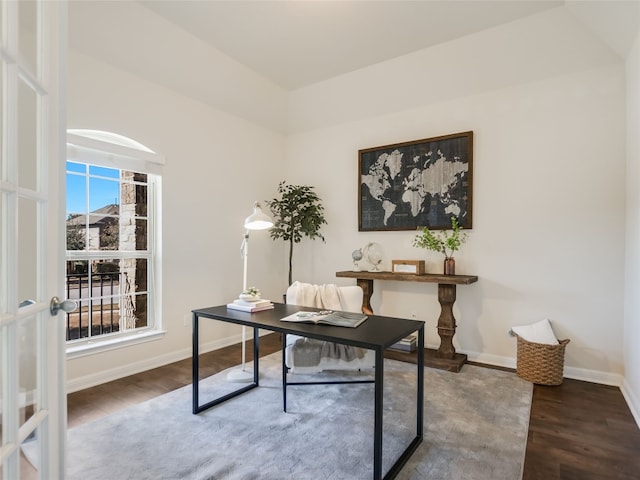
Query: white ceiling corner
x=298, y=43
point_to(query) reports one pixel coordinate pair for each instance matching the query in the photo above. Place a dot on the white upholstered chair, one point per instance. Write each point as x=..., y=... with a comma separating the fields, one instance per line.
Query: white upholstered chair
x=350, y=299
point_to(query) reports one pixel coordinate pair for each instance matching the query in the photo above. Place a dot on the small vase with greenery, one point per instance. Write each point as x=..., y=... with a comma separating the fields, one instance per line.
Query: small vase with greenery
x=445, y=241
x=297, y=213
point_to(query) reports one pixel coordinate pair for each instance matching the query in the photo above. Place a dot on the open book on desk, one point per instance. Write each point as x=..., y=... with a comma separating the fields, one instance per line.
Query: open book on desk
x=327, y=317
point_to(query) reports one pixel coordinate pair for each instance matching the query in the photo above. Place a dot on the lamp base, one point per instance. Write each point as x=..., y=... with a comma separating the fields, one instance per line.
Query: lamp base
x=240, y=376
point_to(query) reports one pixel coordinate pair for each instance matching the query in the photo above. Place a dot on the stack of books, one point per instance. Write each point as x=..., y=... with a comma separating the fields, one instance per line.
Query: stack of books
x=250, y=306
x=407, y=344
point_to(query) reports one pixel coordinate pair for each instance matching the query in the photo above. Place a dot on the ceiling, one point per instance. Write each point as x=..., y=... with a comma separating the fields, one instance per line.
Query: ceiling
x=250, y=58
x=299, y=43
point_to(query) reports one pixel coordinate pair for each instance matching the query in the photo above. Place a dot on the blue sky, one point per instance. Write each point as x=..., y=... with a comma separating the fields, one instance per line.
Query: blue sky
x=104, y=187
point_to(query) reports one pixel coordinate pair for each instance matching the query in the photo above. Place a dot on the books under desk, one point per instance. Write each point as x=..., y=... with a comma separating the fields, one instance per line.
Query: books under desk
x=407, y=344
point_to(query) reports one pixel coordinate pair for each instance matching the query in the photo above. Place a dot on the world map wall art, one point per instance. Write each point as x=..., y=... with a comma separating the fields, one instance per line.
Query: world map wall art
x=422, y=183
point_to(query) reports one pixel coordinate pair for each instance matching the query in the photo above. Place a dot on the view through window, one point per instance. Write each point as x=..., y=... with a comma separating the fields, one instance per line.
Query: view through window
x=109, y=254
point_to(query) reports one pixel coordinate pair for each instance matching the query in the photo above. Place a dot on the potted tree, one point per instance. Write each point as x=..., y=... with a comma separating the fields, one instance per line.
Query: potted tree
x=297, y=213
x=446, y=242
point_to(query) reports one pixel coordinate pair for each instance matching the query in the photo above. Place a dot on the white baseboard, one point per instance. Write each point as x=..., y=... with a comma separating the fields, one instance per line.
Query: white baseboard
x=594, y=376
x=104, y=376
x=632, y=400
x=489, y=359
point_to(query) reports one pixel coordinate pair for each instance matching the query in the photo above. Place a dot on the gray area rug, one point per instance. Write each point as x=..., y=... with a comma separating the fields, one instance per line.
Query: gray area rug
x=476, y=424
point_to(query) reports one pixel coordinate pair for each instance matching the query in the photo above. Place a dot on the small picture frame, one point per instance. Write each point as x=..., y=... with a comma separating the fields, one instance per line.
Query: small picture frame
x=422, y=183
x=413, y=267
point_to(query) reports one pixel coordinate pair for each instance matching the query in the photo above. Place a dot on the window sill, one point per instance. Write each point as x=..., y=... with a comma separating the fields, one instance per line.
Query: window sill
x=103, y=345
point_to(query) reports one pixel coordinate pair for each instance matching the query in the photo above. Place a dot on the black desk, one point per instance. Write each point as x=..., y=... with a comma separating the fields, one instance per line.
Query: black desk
x=376, y=333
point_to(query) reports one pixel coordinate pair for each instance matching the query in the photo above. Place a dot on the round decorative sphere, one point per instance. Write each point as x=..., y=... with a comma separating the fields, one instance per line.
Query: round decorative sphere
x=373, y=254
x=356, y=255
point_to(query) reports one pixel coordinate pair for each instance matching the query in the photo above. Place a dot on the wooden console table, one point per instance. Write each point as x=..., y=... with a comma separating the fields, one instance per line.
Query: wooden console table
x=445, y=357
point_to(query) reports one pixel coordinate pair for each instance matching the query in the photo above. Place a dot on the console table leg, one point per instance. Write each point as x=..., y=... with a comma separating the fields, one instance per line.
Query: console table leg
x=446, y=321
x=367, y=290
x=446, y=357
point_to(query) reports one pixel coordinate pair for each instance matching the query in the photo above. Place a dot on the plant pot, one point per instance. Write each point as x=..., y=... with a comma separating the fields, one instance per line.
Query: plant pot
x=449, y=266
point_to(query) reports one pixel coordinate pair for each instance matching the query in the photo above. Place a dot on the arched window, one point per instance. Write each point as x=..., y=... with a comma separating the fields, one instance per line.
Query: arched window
x=112, y=232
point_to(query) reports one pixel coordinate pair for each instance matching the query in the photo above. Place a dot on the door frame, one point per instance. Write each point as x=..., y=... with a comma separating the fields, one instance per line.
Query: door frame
x=48, y=33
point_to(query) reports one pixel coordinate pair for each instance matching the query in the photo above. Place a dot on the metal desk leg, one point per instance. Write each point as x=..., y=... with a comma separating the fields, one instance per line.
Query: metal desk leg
x=404, y=457
x=195, y=364
x=195, y=361
x=377, y=422
x=284, y=373
x=420, y=392
x=256, y=356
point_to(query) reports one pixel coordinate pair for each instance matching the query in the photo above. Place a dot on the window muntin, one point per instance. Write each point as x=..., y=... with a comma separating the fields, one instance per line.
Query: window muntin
x=109, y=251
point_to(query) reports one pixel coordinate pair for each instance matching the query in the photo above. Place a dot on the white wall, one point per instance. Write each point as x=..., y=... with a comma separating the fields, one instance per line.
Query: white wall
x=496, y=58
x=548, y=237
x=631, y=386
x=548, y=197
x=216, y=166
x=129, y=36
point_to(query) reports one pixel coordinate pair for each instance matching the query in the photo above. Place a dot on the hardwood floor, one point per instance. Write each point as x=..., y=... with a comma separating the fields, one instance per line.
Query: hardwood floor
x=581, y=430
x=577, y=431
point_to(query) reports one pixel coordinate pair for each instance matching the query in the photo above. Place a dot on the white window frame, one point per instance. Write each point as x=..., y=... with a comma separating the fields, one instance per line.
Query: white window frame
x=106, y=149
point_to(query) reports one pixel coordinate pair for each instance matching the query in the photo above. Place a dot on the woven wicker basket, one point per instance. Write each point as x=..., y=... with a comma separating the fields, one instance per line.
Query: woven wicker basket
x=540, y=363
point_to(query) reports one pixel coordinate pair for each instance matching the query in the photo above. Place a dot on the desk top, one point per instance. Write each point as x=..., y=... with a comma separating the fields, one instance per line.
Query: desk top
x=376, y=332
x=407, y=277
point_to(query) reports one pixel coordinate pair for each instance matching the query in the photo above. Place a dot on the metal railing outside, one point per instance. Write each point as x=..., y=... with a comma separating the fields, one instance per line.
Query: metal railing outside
x=98, y=298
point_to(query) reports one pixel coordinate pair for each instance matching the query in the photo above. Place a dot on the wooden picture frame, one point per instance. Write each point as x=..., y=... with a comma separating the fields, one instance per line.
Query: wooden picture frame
x=413, y=267
x=422, y=183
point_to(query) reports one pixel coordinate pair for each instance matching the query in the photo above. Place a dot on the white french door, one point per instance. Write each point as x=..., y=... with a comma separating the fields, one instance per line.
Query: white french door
x=32, y=397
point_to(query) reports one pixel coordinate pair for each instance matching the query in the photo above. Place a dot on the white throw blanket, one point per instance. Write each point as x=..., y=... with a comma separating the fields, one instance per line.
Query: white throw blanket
x=307, y=352
x=319, y=296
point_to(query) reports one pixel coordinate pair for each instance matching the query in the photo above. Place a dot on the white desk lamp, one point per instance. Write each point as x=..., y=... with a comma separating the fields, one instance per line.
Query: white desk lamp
x=258, y=220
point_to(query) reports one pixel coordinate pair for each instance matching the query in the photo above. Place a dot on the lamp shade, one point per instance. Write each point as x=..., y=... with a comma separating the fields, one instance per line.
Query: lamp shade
x=258, y=220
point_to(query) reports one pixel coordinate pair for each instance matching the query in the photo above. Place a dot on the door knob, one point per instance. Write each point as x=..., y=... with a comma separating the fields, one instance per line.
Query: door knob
x=56, y=305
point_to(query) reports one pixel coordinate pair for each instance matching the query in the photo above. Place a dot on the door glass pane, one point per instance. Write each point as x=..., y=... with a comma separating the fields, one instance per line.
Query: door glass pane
x=4, y=273
x=2, y=333
x=27, y=250
x=29, y=458
x=27, y=35
x=26, y=343
x=2, y=140
x=27, y=380
x=27, y=136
